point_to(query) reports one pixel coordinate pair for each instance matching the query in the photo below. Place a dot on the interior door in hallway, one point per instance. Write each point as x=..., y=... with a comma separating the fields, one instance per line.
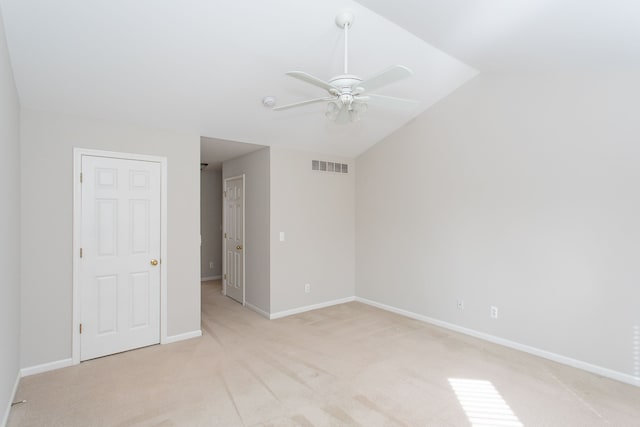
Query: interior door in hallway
x=233, y=278
x=119, y=272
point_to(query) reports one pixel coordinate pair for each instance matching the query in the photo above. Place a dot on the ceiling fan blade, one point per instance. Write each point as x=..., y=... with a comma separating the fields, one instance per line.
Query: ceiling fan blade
x=308, y=78
x=390, y=100
x=386, y=77
x=299, y=104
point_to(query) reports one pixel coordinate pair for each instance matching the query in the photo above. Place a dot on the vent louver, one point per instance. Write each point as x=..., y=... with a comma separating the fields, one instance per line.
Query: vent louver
x=324, y=166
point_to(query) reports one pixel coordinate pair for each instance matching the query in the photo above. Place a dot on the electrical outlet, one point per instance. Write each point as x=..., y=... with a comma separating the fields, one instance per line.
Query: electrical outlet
x=460, y=305
x=494, y=312
x=210, y=265
x=307, y=287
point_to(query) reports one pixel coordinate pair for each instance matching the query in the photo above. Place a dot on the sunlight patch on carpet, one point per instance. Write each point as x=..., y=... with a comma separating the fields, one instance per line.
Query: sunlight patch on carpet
x=483, y=404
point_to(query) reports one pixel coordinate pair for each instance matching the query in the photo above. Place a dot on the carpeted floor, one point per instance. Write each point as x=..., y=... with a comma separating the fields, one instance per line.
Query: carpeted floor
x=347, y=365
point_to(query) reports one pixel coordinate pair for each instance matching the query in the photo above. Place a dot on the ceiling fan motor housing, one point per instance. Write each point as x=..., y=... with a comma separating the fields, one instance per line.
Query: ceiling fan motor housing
x=345, y=81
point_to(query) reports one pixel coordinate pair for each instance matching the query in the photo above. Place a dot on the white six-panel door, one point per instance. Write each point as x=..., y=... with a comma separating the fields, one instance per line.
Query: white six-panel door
x=234, y=238
x=119, y=271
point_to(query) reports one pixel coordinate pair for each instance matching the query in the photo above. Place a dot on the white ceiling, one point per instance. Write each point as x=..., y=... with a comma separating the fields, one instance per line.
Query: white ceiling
x=203, y=66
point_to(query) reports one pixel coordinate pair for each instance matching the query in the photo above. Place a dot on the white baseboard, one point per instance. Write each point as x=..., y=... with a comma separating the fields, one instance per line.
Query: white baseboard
x=46, y=367
x=286, y=313
x=206, y=279
x=12, y=398
x=58, y=364
x=257, y=310
x=182, y=337
x=598, y=370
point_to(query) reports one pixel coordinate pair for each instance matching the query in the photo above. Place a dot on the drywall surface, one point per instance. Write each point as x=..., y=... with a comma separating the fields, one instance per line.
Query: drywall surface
x=255, y=167
x=520, y=192
x=47, y=201
x=9, y=229
x=316, y=212
x=211, y=223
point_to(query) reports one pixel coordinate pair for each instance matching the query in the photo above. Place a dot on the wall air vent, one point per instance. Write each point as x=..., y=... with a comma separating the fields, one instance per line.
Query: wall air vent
x=324, y=166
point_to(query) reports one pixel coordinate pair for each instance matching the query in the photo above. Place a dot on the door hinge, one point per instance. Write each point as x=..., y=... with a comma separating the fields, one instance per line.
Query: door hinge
x=225, y=277
x=225, y=193
x=81, y=177
x=225, y=235
x=80, y=327
x=80, y=252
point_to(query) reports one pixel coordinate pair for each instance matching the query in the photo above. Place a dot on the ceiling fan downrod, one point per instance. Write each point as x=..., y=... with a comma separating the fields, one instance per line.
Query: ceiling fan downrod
x=344, y=20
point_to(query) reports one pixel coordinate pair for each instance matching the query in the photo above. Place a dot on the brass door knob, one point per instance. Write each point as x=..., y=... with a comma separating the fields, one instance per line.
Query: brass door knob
x=154, y=262
x=239, y=247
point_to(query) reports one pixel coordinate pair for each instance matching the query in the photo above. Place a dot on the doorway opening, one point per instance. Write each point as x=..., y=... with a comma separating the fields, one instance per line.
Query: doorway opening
x=213, y=257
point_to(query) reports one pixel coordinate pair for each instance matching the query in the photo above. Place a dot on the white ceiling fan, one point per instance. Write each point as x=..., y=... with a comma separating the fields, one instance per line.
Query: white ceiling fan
x=348, y=93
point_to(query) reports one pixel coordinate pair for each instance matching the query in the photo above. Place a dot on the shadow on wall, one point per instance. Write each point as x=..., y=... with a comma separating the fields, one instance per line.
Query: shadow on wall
x=210, y=223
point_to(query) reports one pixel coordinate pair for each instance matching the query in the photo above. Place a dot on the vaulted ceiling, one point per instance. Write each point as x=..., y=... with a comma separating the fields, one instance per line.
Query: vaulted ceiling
x=203, y=66
x=525, y=35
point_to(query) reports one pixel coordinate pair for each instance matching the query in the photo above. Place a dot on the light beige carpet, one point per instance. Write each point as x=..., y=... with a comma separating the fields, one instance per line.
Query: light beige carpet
x=348, y=365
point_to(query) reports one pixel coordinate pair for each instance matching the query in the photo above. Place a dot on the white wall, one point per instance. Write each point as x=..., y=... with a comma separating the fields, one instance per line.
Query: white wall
x=9, y=229
x=47, y=200
x=255, y=166
x=520, y=192
x=211, y=222
x=316, y=211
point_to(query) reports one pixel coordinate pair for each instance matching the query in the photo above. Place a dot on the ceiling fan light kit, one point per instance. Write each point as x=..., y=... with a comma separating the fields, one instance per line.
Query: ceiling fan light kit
x=348, y=93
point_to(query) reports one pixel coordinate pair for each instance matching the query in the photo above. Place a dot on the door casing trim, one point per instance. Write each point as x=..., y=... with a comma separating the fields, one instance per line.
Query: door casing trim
x=77, y=191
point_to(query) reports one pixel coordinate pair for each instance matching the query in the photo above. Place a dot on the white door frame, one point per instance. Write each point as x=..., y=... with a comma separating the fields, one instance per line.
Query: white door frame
x=244, y=236
x=77, y=203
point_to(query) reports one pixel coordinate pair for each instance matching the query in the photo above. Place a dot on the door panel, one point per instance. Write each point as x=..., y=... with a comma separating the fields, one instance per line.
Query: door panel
x=107, y=227
x=107, y=304
x=140, y=298
x=119, y=288
x=139, y=229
